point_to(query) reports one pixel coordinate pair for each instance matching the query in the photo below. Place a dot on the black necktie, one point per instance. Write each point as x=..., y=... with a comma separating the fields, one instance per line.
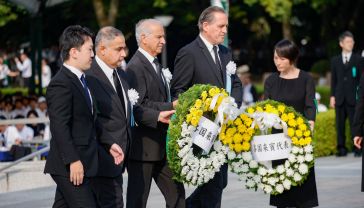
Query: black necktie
x=346, y=60
x=159, y=70
x=85, y=88
x=118, y=88
x=217, y=60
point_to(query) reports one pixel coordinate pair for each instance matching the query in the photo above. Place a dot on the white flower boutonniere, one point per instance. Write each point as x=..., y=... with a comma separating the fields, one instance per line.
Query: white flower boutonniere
x=167, y=75
x=133, y=96
x=230, y=68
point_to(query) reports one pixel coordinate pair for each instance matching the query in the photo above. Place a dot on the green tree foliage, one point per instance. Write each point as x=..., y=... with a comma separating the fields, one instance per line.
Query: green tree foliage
x=6, y=13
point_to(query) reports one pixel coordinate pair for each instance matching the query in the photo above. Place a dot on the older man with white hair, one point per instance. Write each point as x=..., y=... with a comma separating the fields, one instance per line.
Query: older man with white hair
x=147, y=158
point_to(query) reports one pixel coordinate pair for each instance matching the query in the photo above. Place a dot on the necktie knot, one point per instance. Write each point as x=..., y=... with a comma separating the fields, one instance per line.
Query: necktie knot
x=346, y=59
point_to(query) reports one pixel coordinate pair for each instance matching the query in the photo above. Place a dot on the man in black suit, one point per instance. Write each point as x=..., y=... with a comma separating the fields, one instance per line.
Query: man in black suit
x=72, y=160
x=203, y=61
x=346, y=70
x=147, y=158
x=113, y=113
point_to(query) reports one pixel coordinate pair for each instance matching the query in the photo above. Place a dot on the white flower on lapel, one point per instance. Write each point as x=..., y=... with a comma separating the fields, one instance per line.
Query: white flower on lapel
x=230, y=68
x=167, y=75
x=133, y=96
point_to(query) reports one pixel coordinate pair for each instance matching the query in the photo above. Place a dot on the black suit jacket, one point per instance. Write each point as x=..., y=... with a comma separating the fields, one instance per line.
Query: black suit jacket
x=72, y=126
x=149, y=138
x=343, y=83
x=359, y=111
x=195, y=65
x=112, y=122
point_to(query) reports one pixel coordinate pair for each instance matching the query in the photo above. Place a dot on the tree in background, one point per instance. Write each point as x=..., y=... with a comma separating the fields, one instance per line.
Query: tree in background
x=106, y=14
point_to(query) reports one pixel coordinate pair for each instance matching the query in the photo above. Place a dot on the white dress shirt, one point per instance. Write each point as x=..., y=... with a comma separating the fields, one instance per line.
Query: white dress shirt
x=346, y=55
x=78, y=73
x=109, y=74
x=210, y=48
x=149, y=57
x=25, y=68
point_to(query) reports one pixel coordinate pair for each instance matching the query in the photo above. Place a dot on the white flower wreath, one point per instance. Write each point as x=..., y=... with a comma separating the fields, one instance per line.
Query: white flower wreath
x=198, y=171
x=293, y=171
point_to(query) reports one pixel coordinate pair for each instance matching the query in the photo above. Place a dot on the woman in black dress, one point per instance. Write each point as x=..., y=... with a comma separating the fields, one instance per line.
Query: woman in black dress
x=295, y=88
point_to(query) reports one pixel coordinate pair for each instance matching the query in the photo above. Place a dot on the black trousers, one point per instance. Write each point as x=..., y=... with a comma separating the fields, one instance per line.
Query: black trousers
x=108, y=191
x=209, y=194
x=343, y=112
x=140, y=175
x=68, y=195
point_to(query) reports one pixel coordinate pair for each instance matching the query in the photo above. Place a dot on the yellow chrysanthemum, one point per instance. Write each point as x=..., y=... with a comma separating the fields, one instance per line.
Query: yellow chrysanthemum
x=259, y=109
x=238, y=122
x=242, y=128
x=281, y=108
x=292, y=122
x=308, y=140
x=246, y=146
x=246, y=137
x=248, y=121
x=302, y=142
x=250, y=131
x=291, y=116
x=307, y=133
x=250, y=110
x=194, y=121
x=238, y=138
x=231, y=131
x=237, y=148
x=290, y=132
x=284, y=117
x=204, y=95
x=294, y=140
x=302, y=127
x=300, y=121
x=212, y=92
x=298, y=133
x=198, y=103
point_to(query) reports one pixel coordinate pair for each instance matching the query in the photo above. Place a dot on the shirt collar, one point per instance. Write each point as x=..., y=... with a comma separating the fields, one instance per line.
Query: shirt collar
x=74, y=70
x=208, y=44
x=346, y=54
x=104, y=67
x=147, y=55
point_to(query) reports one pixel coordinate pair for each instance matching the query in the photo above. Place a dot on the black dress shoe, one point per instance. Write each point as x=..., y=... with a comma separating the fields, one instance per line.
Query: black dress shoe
x=341, y=153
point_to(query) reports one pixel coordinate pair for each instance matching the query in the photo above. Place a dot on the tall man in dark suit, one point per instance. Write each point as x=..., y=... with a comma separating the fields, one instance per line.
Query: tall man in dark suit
x=203, y=61
x=346, y=70
x=72, y=160
x=113, y=113
x=147, y=158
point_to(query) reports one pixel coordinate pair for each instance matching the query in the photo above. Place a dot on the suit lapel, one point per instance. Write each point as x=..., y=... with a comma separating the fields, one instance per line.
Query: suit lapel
x=223, y=65
x=152, y=71
x=209, y=59
x=106, y=85
x=78, y=85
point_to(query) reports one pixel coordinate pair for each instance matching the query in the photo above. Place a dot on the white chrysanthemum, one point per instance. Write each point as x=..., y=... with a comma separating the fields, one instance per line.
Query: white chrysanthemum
x=231, y=155
x=271, y=171
x=281, y=178
x=189, y=175
x=301, y=151
x=308, y=157
x=244, y=168
x=289, y=172
x=217, y=145
x=253, y=164
x=167, y=75
x=297, y=177
x=303, y=169
x=264, y=179
x=185, y=169
x=287, y=184
x=300, y=159
x=250, y=184
x=279, y=188
x=292, y=158
x=280, y=169
x=295, y=150
x=260, y=186
x=295, y=166
x=308, y=148
x=133, y=96
x=268, y=189
x=287, y=164
x=230, y=68
x=247, y=156
x=272, y=181
x=257, y=178
x=183, y=151
x=262, y=171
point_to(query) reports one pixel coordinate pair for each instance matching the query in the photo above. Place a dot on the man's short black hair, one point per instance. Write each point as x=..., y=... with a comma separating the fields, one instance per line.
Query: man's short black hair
x=346, y=34
x=73, y=36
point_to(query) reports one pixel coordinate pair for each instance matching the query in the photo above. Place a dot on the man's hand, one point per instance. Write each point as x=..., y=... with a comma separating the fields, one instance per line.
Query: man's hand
x=357, y=141
x=312, y=125
x=76, y=173
x=165, y=116
x=16, y=59
x=175, y=103
x=332, y=102
x=117, y=153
